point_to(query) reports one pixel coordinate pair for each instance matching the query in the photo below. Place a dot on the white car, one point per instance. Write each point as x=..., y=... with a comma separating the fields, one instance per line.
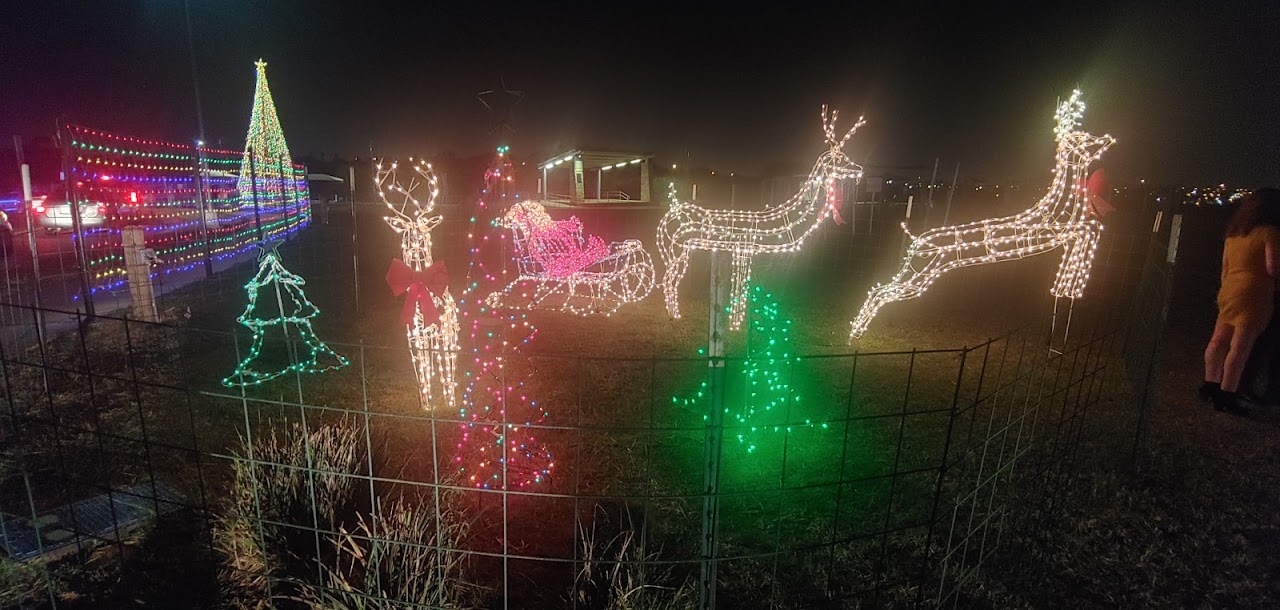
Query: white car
x=54, y=213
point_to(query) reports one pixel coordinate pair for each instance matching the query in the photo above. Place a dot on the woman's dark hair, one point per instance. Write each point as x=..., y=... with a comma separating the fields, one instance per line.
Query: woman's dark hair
x=1261, y=207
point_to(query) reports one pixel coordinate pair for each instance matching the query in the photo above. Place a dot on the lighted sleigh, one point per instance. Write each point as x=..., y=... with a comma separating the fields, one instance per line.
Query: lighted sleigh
x=560, y=269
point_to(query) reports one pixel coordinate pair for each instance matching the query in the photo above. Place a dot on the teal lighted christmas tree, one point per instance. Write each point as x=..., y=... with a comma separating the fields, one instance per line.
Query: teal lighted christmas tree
x=267, y=162
x=285, y=314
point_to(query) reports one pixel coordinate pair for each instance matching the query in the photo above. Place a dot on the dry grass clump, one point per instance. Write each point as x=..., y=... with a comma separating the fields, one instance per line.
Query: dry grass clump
x=614, y=575
x=292, y=534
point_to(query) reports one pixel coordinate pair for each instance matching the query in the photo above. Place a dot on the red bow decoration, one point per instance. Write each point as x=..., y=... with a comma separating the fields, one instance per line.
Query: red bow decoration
x=1095, y=190
x=420, y=285
x=835, y=199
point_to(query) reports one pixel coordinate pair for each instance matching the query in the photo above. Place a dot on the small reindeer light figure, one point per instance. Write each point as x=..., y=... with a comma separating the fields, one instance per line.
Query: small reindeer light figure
x=1064, y=218
x=430, y=315
x=779, y=228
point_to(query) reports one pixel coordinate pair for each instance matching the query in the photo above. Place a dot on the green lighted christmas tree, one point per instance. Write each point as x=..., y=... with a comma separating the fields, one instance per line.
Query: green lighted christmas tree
x=759, y=388
x=266, y=146
x=296, y=347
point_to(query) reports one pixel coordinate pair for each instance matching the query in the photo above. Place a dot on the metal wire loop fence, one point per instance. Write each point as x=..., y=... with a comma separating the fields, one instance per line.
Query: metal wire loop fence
x=879, y=477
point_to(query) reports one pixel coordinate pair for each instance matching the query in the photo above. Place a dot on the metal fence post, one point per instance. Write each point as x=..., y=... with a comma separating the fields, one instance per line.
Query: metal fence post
x=253, y=186
x=718, y=327
x=1165, y=268
x=204, y=214
x=355, y=246
x=82, y=259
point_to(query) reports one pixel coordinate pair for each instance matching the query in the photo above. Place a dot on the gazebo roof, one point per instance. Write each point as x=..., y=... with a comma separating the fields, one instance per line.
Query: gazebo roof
x=595, y=159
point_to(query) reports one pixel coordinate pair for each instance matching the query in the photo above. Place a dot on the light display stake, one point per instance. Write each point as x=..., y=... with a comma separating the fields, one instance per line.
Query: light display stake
x=296, y=315
x=430, y=314
x=567, y=272
x=765, y=390
x=497, y=448
x=1062, y=218
x=266, y=144
x=746, y=234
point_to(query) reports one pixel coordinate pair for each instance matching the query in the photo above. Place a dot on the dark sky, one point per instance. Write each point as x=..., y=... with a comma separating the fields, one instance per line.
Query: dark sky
x=1192, y=92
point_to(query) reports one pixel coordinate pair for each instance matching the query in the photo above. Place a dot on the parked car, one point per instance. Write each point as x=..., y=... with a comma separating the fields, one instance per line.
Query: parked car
x=53, y=213
x=11, y=202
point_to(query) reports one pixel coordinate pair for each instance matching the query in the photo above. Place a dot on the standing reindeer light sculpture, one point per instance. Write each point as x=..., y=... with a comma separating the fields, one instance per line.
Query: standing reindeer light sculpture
x=430, y=315
x=1064, y=218
x=746, y=234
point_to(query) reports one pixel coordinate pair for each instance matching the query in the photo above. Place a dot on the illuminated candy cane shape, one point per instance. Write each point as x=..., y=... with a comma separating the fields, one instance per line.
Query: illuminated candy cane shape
x=1062, y=218
x=568, y=272
x=686, y=228
x=430, y=315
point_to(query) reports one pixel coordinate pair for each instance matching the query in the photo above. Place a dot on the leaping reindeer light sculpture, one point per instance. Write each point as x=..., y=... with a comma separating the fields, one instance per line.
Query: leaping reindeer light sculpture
x=783, y=228
x=1063, y=218
x=430, y=315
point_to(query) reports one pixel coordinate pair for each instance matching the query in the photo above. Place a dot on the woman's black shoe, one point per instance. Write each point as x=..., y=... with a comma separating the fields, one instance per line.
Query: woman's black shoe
x=1208, y=390
x=1228, y=402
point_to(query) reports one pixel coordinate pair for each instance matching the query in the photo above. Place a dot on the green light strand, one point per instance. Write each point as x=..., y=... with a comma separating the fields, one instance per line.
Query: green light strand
x=271, y=274
x=763, y=389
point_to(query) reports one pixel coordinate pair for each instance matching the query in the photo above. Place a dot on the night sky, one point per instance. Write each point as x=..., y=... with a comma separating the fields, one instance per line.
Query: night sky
x=1192, y=93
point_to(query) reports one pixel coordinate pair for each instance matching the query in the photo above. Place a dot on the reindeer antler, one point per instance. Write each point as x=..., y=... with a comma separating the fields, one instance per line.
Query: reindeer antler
x=1069, y=115
x=829, y=128
x=388, y=185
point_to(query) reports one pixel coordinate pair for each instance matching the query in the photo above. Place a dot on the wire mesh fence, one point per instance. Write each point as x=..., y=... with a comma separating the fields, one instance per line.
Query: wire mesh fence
x=875, y=477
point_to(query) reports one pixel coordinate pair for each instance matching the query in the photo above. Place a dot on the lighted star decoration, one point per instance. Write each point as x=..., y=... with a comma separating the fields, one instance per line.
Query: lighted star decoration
x=745, y=234
x=566, y=271
x=1063, y=218
x=430, y=314
x=492, y=100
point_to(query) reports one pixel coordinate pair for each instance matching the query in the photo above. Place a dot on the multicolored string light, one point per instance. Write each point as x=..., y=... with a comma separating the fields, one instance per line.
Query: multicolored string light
x=266, y=153
x=433, y=343
x=160, y=186
x=497, y=447
x=782, y=228
x=293, y=319
x=567, y=272
x=1062, y=218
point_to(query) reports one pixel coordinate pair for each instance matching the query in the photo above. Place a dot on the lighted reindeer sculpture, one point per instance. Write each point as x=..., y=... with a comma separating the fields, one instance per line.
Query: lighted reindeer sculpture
x=747, y=234
x=1064, y=218
x=430, y=315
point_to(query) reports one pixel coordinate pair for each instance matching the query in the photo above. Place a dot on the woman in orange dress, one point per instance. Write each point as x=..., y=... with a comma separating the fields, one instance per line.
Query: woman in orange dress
x=1250, y=266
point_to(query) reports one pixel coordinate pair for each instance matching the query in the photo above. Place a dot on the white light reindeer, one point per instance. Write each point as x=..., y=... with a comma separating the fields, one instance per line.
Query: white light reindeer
x=430, y=315
x=1063, y=218
x=746, y=234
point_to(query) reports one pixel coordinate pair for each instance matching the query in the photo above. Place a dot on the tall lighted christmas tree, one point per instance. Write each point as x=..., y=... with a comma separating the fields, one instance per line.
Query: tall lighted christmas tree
x=267, y=165
x=278, y=310
x=497, y=448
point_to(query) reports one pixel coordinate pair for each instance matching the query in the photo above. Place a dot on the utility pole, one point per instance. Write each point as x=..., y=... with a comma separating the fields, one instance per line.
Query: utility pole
x=31, y=235
x=77, y=225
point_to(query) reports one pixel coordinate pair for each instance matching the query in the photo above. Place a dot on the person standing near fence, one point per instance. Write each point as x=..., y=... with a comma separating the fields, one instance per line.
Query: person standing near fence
x=1250, y=266
x=1260, y=382
x=6, y=236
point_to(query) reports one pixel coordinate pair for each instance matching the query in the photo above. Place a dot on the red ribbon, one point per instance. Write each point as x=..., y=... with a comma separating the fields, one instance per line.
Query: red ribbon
x=835, y=199
x=419, y=285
